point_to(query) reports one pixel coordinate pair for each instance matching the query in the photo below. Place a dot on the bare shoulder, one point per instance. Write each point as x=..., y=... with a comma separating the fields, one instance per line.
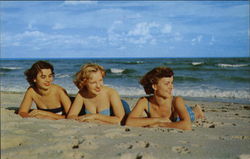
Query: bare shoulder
x=58, y=88
x=110, y=91
x=30, y=91
x=142, y=102
x=177, y=99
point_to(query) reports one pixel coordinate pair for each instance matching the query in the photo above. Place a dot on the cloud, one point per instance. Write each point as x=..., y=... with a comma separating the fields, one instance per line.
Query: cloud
x=143, y=29
x=57, y=26
x=166, y=29
x=196, y=40
x=79, y=2
x=212, y=41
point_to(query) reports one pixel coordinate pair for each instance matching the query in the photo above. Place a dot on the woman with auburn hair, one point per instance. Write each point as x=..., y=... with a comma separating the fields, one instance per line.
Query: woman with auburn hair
x=51, y=100
x=162, y=108
x=99, y=103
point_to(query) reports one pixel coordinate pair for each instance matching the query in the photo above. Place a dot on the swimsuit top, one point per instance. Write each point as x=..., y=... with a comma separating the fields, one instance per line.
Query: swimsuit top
x=148, y=113
x=176, y=118
x=103, y=112
x=59, y=110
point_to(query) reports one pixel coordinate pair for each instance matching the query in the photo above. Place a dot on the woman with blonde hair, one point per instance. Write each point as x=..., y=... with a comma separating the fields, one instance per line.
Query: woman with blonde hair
x=99, y=103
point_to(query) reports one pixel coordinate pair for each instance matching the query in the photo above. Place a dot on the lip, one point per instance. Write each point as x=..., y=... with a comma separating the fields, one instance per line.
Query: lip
x=47, y=84
x=98, y=90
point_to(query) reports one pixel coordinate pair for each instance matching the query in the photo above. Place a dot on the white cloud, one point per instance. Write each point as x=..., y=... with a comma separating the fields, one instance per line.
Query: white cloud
x=143, y=29
x=79, y=2
x=177, y=37
x=212, y=41
x=58, y=26
x=167, y=28
x=196, y=40
x=30, y=34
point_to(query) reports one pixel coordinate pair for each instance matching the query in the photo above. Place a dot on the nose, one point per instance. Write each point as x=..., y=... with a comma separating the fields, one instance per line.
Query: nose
x=98, y=85
x=48, y=79
x=171, y=86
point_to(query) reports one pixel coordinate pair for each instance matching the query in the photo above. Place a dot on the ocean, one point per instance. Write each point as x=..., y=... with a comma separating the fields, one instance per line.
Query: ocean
x=209, y=79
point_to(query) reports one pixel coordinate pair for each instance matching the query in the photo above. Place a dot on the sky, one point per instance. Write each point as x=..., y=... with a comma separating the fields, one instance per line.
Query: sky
x=82, y=29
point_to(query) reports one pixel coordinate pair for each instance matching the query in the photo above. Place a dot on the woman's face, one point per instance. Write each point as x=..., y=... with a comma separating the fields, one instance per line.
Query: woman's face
x=44, y=79
x=94, y=84
x=164, y=87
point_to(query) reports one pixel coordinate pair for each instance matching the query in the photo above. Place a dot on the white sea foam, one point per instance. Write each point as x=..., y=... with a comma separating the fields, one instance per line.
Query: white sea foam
x=11, y=68
x=116, y=70
x=59, y=75
x=139, y=62
x=197, y=63
x=210, y=93
x=232, y=65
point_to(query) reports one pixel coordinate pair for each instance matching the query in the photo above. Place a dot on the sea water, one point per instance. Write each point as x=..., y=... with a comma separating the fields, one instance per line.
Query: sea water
x=213, y=79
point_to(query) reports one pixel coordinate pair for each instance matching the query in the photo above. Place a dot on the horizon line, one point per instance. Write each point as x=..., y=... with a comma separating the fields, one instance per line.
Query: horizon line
x=31, y=58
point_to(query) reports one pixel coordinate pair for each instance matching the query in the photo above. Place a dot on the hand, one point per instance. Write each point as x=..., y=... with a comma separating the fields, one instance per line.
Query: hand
x=164, y=120
x=87, y=117
x=152, y=125
x=37, y=113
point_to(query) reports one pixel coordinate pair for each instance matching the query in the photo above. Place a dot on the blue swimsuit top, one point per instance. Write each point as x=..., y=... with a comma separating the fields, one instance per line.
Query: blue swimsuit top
x=104, y=112
x=59, y=110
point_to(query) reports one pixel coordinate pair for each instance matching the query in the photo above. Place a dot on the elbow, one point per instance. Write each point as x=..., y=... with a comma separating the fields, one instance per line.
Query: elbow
x=128, y=122
x=23, y=114
x=187, y=126
x=71, y=117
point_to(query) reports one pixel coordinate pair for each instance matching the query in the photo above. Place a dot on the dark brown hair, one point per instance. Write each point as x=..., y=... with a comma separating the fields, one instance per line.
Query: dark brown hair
x=35, y=69
x=153, y=76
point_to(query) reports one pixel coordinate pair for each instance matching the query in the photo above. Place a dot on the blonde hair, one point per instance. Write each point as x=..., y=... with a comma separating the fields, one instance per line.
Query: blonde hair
x=83, y=75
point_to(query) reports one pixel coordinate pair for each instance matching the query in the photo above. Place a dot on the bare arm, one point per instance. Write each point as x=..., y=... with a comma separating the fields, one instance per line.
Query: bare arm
x=26, y=104
x=76, y=107
x=185, y=122
x=41, y=114
x=65, y=101
x=135, y=119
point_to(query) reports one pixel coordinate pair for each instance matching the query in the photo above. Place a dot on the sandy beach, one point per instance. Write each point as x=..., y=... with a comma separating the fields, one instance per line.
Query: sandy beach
x=225, y=133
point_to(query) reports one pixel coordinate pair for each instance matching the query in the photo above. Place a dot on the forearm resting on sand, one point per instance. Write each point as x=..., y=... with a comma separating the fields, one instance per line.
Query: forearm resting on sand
x=145, y=122
x=100, y=118
x=184, y=125
x=41, y=114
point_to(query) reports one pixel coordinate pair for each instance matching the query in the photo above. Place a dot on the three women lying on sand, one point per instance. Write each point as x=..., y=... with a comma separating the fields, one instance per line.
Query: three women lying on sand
x=98, y=103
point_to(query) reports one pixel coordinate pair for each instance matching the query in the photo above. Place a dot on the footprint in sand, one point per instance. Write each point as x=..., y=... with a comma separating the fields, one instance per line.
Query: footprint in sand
x=180, y=149
x=118, y=133
x=136, y=144
x=65, y=132
x=12, y=141
x=241, y=137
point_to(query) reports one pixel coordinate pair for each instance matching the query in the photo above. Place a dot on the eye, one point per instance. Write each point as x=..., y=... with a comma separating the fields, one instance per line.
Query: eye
x=43, y=76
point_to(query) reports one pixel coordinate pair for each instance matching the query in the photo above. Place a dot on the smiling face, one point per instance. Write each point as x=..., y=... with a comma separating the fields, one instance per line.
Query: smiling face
x=44, y=79
x=94, y=84
x=164, y=87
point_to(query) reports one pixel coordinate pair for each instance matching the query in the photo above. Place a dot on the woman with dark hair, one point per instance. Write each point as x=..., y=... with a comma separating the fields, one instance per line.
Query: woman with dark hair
x=162, y=108
x=51, y=100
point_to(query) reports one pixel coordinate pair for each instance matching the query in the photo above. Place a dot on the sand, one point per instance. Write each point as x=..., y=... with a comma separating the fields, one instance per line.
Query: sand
x=225, y=133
